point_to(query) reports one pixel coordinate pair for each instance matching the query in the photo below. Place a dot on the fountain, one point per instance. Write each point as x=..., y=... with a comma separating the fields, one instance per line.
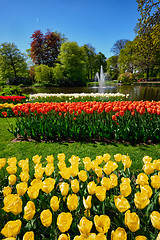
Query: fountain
x=101, y=78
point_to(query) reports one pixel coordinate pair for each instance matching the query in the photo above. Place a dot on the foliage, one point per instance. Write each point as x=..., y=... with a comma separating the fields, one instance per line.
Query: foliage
x=118, y=45
x=85, y=189
x=11, y=90
x=112, y=67
x=90, y=60
x=126, y=77
x=123, y=121
x=12, y=62
x=45, y=48
x=43, y=74
x=71, y=58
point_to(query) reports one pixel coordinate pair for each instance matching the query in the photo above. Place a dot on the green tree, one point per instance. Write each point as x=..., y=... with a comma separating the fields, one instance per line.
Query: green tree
x=100, y=61
x=112, y=67
x=44, y=74
x=12, y=62
x=118, y=45
x=72, y=64
x=90, y=60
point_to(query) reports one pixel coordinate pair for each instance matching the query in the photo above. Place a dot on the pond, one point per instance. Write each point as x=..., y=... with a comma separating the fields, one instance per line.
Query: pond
x=136, y=93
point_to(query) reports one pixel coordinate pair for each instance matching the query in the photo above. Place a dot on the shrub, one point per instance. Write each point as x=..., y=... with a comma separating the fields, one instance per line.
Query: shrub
x=126, y=78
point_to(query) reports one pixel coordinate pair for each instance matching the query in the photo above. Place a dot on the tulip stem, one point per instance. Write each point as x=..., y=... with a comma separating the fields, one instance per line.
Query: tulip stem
x=103, y=207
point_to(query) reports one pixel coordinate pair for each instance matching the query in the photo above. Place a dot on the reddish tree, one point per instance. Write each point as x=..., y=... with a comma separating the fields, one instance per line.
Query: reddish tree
x=45, y=48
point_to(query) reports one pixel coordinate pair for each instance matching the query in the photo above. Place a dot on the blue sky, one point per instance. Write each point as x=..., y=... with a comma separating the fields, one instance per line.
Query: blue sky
x=97, y=22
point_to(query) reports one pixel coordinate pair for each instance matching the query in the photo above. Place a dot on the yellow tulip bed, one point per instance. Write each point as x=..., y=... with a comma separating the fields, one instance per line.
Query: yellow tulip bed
x=79, y=199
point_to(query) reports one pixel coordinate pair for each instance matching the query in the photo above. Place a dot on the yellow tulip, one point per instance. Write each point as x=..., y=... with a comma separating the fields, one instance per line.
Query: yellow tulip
x=132, y=221
x=74, y=169
x=157, y=164
x=72, y=202
x=28, y=236
x=125, y=189
x=99, y=159
x=64, y=221
x=2, y=162
x=91, y=187
x=85, y=226
x=80, y=238
x=12, y=228
x=39, y=171
x=98, y=172
x=102, y=223
x=54, y=203
x=74, y=160
x=24, y=164
x=75, y=185
x=61, y=165
x=155, y=219
x=12, y=179
x=36, y=159
x=109, y=167
x=106, y=157
x=155, y=181
x=64, y=188
x=12, y=161
x=113, y=180
x=142, y=179
x=48, y=185
x=6, y=191
x=158, y=237
x=87, y=202
x=126, y=161
x=46, y=217
x=94, y=164
x=11, y=169
x=147, y=189
x=33, y=192
x=24, y=175
x=64, y=237
x=140, y=238
x=118, y=157
x=10, y=238
x=29, y=210
x=49, y=169
x=50, y=158
x=141, y=200
x=100, y=193
x=37, y=183
x=121, y=203
x=148, y=168
x=61, y=157
x=21, y=188
x=101, y=236
x=106, y=183
x=13, y=203
x=147, y=159
x=119, y=234
x=65, y=173
x=82, y=175
x=92, y=236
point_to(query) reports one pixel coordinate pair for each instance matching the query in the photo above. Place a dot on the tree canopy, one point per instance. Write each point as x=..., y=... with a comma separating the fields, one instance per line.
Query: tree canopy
x=118, y=45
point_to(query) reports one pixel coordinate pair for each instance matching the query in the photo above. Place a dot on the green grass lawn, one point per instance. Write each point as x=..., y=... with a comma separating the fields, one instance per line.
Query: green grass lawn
x=22, y=150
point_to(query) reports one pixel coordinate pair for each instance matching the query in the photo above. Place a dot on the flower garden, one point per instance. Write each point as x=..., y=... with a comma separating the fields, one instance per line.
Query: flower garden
x=81, y=198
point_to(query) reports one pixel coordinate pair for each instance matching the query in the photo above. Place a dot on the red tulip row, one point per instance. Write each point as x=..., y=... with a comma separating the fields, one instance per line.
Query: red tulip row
x=12, y=99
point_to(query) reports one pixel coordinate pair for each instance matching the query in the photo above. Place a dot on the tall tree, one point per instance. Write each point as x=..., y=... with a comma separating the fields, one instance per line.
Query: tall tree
x=45, y=48
x=100, y=61
x=12, y=61
x=112, y=67
x=150, y=14
x=90, y=60
x=118, y=45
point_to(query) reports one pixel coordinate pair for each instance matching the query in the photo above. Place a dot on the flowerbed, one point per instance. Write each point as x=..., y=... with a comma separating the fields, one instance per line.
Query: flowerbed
x=80, y=199
x=136, y=121
x=12, y=99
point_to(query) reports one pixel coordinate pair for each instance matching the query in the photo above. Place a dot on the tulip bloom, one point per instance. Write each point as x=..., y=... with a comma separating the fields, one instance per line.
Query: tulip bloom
x=50, y=158
x=118, y=157
x=100, y=193
x=64, y=188
x=13, y=203
x=28, y=236
x=64, y=237
x=75, y=185
x=72, y=202
x=148, y=168
x=102, y=223
x=106, y=183
x=65, y=173
x=82, y=175
x=91, y=186
x=2, y=162
x=146, y=189
x=113, y=180
x=12, y=228
x=126, y=161
x=36, y=159
x=155, y=219
x=87, y=202
x=132, y=221
x=21, y=188
x=85, y=226
x=48, y=185
x=49, y=169
x=109, y=167
x=33, y=192
x=98, y=172
x=54, y=203
x=101, y=236
x=158, y=237
x=46, y=217
x=140, y=238
x=64, y=221
x=106, y=157
x=142, y=179
x=157, y=164
x=24, y=164
x=12, y=179
x=11, y=169
x=6, y=191
x=29, y=210
x=155, y=181
x=125, y=188
x=119, y=234
x=121, y=203
x=141, y=200
x=147, y=159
